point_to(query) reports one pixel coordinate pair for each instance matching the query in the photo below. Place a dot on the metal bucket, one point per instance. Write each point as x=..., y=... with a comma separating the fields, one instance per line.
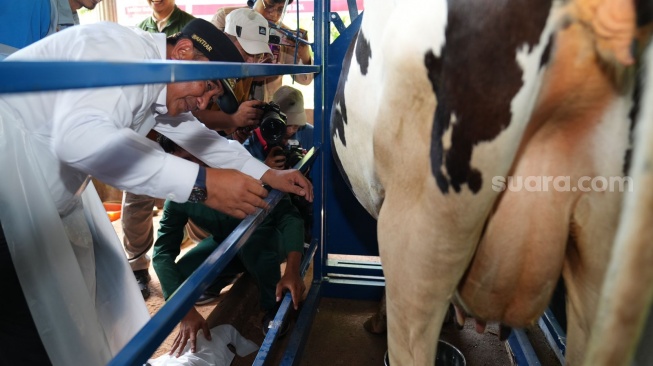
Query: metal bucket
x=447, y=355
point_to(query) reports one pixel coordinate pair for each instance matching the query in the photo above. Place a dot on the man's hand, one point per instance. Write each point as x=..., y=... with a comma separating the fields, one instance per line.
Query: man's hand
x=276, y=159
x=289, y=181
x=291, y=279
x=247, y=114
x=188, y=328
x=234, y=193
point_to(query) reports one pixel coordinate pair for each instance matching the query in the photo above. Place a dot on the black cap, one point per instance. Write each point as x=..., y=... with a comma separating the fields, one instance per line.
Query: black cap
x=211, y=41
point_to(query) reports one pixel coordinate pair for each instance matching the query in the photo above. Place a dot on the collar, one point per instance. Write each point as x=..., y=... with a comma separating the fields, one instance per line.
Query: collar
x=167, y=21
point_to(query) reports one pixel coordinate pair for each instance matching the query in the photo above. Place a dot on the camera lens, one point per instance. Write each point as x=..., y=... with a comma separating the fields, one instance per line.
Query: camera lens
x=272, y=128
x=273, y=124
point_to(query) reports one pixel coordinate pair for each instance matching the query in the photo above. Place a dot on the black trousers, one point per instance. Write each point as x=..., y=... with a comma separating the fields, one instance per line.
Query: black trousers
x=20, y=343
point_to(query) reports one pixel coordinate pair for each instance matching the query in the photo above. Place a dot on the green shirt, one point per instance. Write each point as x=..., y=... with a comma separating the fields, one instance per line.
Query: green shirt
x=284, y=219
x=177, y=20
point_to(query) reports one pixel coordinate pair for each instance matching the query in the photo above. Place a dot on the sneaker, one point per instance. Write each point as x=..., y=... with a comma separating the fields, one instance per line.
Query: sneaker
x=206, y=298
x=143, y=278
x=266, y=323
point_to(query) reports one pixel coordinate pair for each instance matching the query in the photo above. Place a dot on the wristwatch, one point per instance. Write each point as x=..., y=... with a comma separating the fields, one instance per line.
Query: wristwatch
x=198, y=193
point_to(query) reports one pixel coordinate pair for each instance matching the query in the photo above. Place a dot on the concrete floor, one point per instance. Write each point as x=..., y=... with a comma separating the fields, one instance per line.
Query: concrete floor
x=338, y=338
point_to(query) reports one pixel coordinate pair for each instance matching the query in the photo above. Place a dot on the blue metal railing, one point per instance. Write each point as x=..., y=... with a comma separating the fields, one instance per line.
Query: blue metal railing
x=57, y=75
x=282, y=313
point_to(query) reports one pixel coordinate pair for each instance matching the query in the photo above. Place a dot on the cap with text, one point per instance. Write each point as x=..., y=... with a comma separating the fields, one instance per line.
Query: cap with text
x=251, y=29
x=212, y=42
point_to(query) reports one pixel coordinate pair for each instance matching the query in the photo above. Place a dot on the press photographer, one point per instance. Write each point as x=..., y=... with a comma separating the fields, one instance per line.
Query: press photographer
x=272, y=142
x=279, y=145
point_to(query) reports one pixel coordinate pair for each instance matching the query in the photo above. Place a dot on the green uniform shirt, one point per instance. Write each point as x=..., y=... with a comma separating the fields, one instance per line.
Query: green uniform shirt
x=281, y=232
x=178, y=19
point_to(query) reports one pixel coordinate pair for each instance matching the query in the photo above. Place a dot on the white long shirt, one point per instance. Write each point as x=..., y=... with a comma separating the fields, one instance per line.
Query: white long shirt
x=100, y=132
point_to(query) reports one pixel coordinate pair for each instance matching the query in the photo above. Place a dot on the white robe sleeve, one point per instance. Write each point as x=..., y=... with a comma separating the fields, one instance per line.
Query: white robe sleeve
x=93, y=133
x=207, y=145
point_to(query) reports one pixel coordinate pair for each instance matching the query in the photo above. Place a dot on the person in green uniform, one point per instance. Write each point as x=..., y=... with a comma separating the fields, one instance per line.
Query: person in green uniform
x=279, y=236
x=166, y=18
x=137, y=228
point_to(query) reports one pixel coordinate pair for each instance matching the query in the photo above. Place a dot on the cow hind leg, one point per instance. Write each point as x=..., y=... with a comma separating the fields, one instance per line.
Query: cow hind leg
x=421, y=274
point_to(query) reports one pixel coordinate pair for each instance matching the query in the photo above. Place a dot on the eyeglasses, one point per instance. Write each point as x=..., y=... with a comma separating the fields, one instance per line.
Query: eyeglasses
x=258, y=58
x=272, y=8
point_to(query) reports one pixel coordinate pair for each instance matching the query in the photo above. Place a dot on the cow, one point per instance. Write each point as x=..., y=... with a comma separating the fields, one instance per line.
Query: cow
x=457, y=96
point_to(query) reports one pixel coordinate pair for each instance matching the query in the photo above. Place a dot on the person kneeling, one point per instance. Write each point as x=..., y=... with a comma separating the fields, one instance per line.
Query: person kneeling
x=281, y=233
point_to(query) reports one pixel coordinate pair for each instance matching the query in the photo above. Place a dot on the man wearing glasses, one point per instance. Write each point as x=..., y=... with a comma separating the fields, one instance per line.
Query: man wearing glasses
x=249, y=32
x=273, y=11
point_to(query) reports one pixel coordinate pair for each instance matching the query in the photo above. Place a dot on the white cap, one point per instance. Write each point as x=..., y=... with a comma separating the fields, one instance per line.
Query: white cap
x=251, y=29
x=291, y=102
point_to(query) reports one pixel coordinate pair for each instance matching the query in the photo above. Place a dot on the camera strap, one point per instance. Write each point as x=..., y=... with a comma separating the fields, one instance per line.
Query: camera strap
x=260, y=138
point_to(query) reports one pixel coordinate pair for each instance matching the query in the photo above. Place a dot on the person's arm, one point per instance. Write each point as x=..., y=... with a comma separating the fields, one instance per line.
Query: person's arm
x=276, y=159
x=207, y=145
x=291, y=225
x=188, y=328
x=291, y=279
x=246, y=115
x=167, y=248
x=235, y=193
x=92, y=133
x=93, y=130
x=303, y=58
x=220, y=19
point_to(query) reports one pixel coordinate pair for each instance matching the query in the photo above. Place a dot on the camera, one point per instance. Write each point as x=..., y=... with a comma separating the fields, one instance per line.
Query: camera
x=293, y=153
x=273, y=123
x=286, y=37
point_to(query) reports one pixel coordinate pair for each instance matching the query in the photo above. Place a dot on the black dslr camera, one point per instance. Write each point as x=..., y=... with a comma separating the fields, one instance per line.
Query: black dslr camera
x=293, y=152
x=273, y=128
x=273, y=123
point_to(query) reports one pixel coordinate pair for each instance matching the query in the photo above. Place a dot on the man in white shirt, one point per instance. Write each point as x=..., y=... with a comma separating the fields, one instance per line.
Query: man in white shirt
x=81, y=293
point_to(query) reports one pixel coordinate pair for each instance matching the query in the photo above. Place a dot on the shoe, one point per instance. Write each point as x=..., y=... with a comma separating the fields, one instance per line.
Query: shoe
x=206, y=298
x=143, y=278
x=266, y=324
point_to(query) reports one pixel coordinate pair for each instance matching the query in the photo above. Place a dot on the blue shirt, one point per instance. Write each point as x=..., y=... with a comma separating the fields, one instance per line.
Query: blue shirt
x=24, y=22
x=305, y=136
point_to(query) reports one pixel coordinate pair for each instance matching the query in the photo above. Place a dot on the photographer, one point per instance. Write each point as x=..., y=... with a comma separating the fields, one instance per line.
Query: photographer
x=248, y=30
x=282, y=118
x=284, y=52
x=277, y=238
x=272, y=143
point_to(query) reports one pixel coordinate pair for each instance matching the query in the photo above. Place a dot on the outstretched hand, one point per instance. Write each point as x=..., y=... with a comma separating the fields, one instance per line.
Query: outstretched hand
x=188, y=328
x=291, y=280
x=234, y=193
x=289, y=181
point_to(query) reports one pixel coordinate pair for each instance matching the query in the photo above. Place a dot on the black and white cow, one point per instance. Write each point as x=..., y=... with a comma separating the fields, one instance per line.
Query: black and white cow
x=459, y=95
